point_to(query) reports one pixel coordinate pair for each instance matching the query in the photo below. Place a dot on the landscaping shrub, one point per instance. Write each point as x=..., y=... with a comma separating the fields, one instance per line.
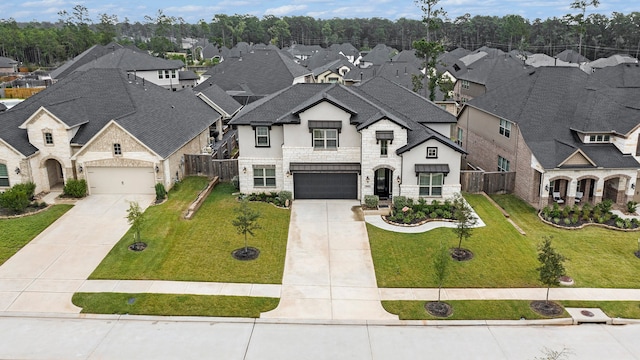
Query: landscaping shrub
x=631, y=206
x=285, y=195
x=29, y=188
x=161, y=192
x=14, y=199
x=236, y=182
x=399, y=202
x=620, y=223
x=371, y=201
x=75, y=188
x=567, y=221
x=555, y=212
x=574, y=218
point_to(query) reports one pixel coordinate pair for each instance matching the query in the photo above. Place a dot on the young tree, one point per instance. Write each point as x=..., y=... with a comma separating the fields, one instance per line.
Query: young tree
x=580, y=18
x=441, y=266
x=426, y=48
x=551, y=264
x=135, y=218
x=246, y=221
x=464, y=218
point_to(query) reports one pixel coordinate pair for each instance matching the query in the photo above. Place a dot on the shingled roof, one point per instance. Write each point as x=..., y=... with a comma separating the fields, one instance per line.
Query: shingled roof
x=551, y=104
x=91, y=54
x=129, y=60
x=258, y=73
x=369, y=102
x=220, y=98
x=163, y=120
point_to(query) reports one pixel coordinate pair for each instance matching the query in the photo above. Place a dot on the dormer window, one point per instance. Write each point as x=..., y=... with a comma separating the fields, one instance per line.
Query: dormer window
x=48, y=138
x=599, y=138
x=117, y=149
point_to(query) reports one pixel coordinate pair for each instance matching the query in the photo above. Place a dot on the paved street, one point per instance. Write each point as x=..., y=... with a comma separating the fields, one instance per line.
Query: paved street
x=130, y=337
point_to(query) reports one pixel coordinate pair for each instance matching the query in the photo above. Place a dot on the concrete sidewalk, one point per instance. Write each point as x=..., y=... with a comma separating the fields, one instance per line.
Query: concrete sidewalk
x=44, y=274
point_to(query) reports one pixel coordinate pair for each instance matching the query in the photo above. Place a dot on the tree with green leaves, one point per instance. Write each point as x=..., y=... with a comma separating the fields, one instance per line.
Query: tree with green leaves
x=246, y=221
x=580, y=18
x=551, y=264
x=441, y=266
x=426, y=48
x=135, y=218
x=464, y=218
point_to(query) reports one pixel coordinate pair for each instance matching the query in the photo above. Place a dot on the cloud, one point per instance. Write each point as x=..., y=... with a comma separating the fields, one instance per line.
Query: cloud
x=44, y=3
x=285, y=9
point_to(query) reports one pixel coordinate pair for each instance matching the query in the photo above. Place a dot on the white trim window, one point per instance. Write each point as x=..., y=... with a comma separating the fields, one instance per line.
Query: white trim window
x=48, y=138
x=325, y=138
x=505, y=128
x=599, y=138
x=432, y=152
x=459, y=139
x=430, y=184
x=262, y=136
x=117, y=149
x=4, y=176
x=264, y=176
x=465, y=84
x=503, y=164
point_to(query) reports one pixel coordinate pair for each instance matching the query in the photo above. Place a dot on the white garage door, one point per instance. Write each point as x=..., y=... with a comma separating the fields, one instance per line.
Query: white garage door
x=121, y=180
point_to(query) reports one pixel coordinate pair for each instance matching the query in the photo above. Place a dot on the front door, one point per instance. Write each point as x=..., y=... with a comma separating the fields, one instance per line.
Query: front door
x=383, y=183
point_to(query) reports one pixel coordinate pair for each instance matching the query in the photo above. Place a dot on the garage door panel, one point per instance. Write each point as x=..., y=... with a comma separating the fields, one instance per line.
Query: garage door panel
x=121, y=180
x=325, y=185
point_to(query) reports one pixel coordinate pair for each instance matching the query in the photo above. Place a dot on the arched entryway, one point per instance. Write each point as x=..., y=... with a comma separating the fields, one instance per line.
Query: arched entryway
x=558, y=189
x=54, y=173
x=614, y=189
x=383, y=183
x=585, y=190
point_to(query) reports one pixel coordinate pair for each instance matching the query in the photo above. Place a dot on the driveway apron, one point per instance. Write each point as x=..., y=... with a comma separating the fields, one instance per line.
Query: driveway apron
x=43, y=275
x=328, y=271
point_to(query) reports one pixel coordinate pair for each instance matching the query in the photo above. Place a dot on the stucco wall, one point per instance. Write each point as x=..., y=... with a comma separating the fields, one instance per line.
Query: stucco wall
x=247, y=141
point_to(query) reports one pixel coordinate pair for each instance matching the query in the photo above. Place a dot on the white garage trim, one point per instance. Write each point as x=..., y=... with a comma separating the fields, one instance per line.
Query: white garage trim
x=121, y=180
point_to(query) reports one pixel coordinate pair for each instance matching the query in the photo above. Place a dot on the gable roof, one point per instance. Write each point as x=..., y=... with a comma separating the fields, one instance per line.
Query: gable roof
x=571, y=56
x=494, y=71
x=380, y=54
x=367, y=103
x=552, y=104
x=259, y=73
x=129, y=60
x=163, y=120
x=220, y=98
x=334, y=66
x=6, y=62
x=91, y=54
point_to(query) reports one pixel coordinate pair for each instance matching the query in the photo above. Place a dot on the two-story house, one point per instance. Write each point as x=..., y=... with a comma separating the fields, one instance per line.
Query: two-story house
x=120, y=133
x=568, y=139
x=329, y=141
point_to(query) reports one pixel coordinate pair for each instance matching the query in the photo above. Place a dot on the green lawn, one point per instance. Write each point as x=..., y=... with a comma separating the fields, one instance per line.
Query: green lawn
x=173, y=305
x=17, y=232
x=613, y=309
x=597, y=257
x=503, y=257
x=200, y=249
x=468, y=310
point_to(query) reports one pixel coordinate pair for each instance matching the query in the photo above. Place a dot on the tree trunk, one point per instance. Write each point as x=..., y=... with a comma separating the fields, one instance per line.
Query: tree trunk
x=547, y=294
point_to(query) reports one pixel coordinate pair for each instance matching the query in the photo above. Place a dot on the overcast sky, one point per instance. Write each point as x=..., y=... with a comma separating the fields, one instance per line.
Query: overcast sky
x=193, y=10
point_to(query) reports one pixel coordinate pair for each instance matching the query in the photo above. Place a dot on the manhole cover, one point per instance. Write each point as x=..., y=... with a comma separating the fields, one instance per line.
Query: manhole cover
x=586, y=313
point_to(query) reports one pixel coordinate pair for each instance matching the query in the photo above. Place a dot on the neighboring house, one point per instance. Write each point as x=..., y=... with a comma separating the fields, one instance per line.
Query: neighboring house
x=347, y=50
x=162, y=72
x=8, y=65
x=563, y=135
x=329, y=141
x=613, y=60
x=91, y=54
x=486, y=70
x=379, y=55
x=120, y=133
x=220, y=133
x=333, y=72
x=256, y=75
x=571, y=56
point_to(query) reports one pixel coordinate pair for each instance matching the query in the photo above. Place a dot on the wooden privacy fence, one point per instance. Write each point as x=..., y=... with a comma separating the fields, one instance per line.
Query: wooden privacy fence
x=475, y=181
x=205, y=165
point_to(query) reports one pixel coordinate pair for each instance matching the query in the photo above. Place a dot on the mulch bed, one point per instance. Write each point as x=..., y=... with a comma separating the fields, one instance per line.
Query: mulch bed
x=245, y=254
x=138, y=246
x=460, y=254
x=438, y=308
x=547, y=308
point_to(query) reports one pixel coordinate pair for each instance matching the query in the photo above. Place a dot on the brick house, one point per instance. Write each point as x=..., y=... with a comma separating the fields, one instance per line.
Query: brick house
x=567, y=135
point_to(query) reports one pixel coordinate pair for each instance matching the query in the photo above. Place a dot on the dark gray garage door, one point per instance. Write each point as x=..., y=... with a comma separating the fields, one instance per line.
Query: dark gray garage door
x=325, y=186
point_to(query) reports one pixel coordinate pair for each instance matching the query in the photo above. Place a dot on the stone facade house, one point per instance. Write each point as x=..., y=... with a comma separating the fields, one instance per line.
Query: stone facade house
x=120, y=133
x=329, y=141
x=568, y=137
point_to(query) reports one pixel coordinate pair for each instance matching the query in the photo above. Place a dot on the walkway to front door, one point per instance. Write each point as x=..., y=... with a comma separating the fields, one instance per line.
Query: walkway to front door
x=328, y=272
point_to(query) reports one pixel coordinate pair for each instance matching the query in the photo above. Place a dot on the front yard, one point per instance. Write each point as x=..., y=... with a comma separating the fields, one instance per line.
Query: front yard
x=17, y=232
x=503, y=257
x=200, y=249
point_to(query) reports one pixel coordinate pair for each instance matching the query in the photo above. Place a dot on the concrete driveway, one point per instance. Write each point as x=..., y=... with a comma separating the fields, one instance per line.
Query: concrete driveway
x=328, y=272
x=44, y=274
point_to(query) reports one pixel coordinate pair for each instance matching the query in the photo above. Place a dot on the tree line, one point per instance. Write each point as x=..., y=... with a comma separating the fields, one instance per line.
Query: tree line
x=49, y=44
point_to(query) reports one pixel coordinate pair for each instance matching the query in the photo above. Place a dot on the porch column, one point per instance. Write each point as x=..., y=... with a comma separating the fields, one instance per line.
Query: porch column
x=571, y=192
x=587, y=189
x=599, y=190
x=621, y=197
